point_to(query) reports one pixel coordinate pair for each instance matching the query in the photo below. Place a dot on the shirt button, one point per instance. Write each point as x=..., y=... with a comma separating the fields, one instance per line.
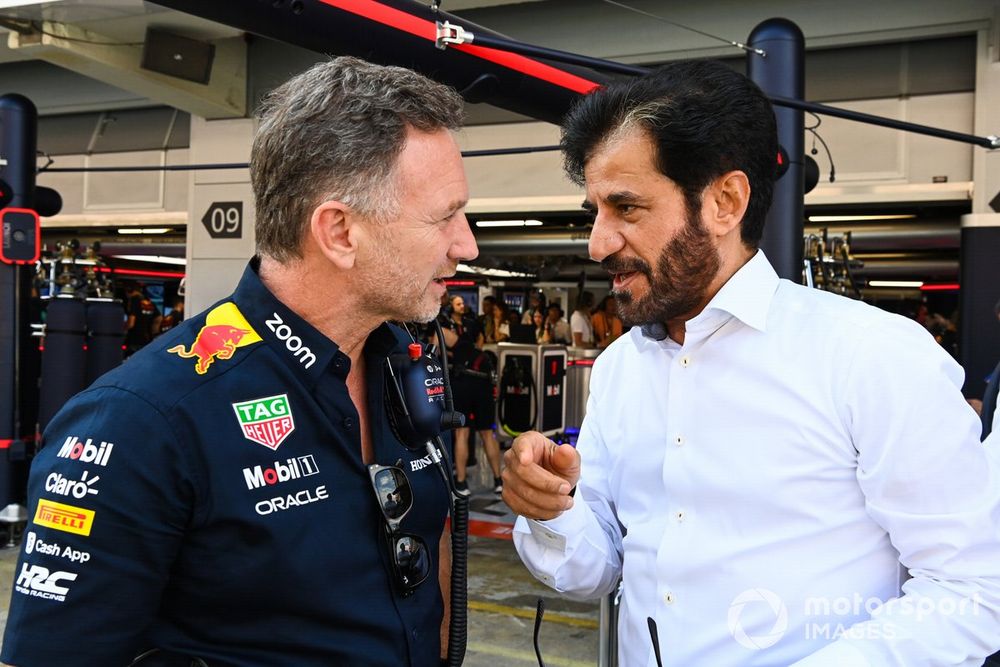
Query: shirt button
x=348, y=422
x=668, y=597
x=679, y=440
x=685, y=361
x=679, y=516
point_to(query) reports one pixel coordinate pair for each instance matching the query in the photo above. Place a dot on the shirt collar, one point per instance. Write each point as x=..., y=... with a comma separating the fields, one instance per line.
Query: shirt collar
x=746, y=296
x=294, y=340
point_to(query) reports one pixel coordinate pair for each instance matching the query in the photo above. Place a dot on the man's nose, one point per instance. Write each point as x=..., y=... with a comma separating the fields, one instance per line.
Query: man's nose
x=605, y=239
x=463, y=247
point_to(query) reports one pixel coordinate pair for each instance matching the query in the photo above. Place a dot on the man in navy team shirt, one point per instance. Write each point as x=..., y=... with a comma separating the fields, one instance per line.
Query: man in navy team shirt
x=212, y=498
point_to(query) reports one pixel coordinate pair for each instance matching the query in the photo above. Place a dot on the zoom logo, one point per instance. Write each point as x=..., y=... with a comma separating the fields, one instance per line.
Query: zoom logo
x=757, y=618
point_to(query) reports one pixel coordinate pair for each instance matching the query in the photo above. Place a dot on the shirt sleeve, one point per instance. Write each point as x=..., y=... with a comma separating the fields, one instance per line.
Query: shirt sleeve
x=929, y=483
x=579, y=553
x=109, y=496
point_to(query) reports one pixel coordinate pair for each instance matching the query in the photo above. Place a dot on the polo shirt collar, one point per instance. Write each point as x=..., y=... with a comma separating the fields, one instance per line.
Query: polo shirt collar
x=294, y=340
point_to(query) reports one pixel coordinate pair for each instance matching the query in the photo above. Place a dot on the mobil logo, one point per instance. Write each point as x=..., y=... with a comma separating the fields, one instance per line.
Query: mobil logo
x=86, y=451
x=293, y=468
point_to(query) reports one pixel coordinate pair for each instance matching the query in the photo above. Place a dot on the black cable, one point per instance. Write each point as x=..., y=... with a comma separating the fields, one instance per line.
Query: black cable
x=635, y=70
x=654, y=637
x=449, y=402
x=486, y=152
x=554, y=54
x=539, y=613
x=458, y=624
x=802, y=105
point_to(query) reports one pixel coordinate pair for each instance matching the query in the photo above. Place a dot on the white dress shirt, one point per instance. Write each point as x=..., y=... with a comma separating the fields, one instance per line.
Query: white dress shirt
x=766, y=488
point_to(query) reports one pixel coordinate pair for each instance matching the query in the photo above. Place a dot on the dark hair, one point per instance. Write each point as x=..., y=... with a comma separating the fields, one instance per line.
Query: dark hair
x=336, y=131
x=705, y=120
x=585, y=301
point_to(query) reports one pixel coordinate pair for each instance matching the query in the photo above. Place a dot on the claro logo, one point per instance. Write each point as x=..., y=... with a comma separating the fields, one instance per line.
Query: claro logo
x=294, y=344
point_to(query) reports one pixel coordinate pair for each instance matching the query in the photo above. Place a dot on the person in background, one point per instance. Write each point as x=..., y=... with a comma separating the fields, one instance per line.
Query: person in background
x=536, y=301
x=174, y=317
x=513, y=319
x=579, y=321
x=556, y=327
x=472, y=387
x=232, y=478
x=755, y=453
x=989, y=415
x=142, y=322
x=541, y=331
x=487, y=318
x=607, y=324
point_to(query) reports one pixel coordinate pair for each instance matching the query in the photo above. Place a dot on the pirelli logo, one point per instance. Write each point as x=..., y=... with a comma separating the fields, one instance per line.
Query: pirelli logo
x=66, y=518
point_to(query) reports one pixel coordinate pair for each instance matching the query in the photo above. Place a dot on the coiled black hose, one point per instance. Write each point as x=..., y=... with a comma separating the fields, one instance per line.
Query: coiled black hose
x=458, y=625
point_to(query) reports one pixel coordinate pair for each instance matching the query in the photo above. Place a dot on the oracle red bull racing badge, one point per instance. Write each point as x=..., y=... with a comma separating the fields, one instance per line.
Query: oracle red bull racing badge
x=266, y=421
x=225, y=330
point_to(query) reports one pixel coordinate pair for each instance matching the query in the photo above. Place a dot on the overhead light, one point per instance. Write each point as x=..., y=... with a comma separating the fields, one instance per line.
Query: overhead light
x=508, y=223
x=496, y=273
x=860, y=218
x=144, y=230
x=896, y=283
x=155, y=259
x=13, y=4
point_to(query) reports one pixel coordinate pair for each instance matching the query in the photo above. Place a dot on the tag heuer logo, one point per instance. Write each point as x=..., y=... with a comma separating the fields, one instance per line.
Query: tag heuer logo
x=267, y=421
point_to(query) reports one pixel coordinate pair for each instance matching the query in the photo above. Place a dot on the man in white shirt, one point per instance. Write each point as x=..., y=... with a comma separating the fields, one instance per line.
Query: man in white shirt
x=579, y=321
x=780, y=475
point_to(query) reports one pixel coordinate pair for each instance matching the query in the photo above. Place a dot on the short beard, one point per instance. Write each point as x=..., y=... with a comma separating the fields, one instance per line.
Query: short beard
x=686, y=267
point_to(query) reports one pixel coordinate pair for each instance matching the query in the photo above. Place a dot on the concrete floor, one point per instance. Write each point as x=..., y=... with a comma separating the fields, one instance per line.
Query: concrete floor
x=502, y=602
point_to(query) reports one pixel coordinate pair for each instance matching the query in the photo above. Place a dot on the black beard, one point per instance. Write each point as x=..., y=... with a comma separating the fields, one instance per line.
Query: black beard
x=684, y=270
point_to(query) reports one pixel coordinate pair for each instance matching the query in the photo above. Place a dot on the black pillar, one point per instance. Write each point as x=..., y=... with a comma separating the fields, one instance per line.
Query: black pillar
x=781, y=72
x=18, y=136
x=979, y=345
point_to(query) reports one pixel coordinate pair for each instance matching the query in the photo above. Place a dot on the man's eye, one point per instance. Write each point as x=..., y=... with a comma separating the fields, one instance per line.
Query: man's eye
x=626, y=209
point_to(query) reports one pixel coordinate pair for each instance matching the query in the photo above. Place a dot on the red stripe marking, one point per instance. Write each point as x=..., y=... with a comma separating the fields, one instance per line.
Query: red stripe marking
x=498, y=531
x=494, y=529
x=414, y=25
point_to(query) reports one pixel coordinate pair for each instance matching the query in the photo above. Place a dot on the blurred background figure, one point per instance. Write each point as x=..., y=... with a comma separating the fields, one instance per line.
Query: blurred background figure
x=556, y=327
x=607, y=325
x=536, y=301
x=142, y=319
x=579, y=321
x=174, y=317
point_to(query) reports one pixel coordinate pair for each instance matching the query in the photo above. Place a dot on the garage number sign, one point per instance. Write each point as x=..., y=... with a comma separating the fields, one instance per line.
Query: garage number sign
x=224, y=220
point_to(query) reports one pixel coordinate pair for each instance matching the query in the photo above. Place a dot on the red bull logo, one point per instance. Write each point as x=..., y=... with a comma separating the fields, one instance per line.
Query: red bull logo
x=225, y=330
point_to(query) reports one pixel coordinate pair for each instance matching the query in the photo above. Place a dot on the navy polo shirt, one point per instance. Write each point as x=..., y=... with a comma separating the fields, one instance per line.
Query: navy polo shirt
x=209, y=497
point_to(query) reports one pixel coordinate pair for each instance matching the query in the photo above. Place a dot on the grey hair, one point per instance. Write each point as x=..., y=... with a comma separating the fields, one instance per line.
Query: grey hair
x=335, y=132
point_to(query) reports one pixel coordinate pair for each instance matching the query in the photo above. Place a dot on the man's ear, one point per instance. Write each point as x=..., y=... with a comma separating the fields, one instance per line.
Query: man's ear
x=727, y=198
x=334, y=230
